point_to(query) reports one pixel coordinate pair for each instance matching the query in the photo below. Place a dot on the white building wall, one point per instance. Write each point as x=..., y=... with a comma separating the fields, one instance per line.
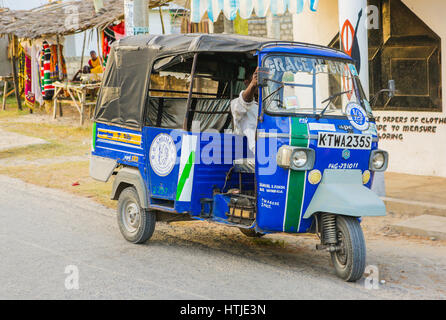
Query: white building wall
x=417, y=153
x=421, y=153
x=318, y=27
x=155, y=26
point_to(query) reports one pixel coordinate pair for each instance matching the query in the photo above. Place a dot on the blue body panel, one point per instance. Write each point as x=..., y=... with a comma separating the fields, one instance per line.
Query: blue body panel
x=131, y=148
x=209, y=171
x=110, y=142
x=161, y=187
x=271, y=206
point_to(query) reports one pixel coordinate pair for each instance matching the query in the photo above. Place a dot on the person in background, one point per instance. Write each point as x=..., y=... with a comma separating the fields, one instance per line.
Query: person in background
x=95, y=63
x=77, y=76
x=245, y=110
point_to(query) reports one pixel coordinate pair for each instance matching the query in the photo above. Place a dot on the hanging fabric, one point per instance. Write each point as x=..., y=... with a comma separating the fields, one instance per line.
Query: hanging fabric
x=21, y=68
x=42, y=72
x=35, y=74
x=54, y=68
x=109, y=35
x=246, y=8
x=240, y=25
x=47, y=83
x=29, y=95
x=55, y=65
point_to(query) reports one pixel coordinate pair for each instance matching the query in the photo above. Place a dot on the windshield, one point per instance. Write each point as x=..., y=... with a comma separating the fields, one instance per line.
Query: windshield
x=310, y=85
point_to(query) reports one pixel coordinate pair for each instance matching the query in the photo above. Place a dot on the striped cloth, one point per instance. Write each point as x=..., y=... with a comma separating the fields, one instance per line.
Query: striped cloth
x=42, y=73
x=47, y=82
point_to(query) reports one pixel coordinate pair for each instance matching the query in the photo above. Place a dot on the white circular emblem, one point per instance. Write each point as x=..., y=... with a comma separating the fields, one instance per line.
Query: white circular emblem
x=162, y=154
x=357, y=116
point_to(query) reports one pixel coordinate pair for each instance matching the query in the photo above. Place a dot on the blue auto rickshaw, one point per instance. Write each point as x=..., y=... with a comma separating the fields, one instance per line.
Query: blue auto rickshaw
x=163, y=129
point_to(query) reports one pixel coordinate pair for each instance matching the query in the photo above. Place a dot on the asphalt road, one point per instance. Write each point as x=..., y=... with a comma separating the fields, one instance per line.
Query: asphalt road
x=42, y=231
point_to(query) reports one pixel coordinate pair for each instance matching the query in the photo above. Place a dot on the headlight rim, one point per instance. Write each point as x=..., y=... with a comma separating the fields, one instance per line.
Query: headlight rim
x=378, y=163
x=285, y=156
x=382, y=168
x=293, y=160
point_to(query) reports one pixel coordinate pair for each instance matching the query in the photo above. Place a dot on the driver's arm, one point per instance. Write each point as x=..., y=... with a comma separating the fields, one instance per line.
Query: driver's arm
x=248, y=94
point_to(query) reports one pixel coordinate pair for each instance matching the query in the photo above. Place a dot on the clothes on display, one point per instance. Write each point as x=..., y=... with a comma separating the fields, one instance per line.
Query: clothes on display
x=47, y=82
x=29, y=96
x=21, y=67
x=36, y=89
x=110, y=34
x=55, y=66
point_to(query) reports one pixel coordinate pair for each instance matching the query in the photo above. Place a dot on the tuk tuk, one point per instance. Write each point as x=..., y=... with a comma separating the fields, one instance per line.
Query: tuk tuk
x=163, y=128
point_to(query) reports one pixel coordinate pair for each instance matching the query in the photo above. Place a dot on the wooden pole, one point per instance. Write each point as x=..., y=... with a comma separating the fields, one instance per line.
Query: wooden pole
x=5, y=94
x=99, y=43
x=14, y=71
x=59, y=59
x=162, y=20
x=83, y=50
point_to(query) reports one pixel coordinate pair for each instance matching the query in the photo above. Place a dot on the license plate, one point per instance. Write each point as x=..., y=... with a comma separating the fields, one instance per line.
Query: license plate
x=344, y=141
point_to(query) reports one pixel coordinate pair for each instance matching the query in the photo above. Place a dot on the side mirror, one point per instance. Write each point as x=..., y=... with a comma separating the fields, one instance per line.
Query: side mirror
x=262, y=76
x=392, y=89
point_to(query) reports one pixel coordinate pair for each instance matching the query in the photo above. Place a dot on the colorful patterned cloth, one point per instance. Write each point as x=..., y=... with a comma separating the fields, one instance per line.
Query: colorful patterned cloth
x=110, y=34
x=21, y=68
x=47, y=82
x=29, y=96
x=54, y=66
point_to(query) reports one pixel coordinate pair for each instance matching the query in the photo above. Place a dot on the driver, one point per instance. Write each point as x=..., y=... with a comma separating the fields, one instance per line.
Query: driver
x=245, y=110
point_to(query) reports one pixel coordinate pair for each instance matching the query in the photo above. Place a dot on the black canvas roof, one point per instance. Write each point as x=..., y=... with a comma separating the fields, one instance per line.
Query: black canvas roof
x=194, y=42
x=126, y=79
x=125, y=82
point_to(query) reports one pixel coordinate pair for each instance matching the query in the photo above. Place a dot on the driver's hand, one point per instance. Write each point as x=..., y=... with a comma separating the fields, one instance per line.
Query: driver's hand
x=254, y=81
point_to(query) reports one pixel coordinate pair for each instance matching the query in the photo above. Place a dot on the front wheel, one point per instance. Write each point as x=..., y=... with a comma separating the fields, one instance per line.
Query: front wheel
x=349, y=260
x=135, y=223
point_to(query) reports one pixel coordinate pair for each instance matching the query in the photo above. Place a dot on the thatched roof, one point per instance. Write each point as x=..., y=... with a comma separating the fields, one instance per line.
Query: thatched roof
x=62, y=18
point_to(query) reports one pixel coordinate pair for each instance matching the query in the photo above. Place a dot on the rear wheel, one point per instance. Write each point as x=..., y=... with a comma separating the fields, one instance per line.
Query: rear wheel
x=135, y=223
x=251, y=233
x=349, y=260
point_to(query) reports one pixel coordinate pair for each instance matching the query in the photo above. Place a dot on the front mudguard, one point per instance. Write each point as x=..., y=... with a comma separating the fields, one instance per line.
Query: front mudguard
x=130, y=177
x=342, y=192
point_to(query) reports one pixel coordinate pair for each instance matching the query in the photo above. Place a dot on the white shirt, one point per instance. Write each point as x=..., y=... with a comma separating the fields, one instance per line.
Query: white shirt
x=245, y=116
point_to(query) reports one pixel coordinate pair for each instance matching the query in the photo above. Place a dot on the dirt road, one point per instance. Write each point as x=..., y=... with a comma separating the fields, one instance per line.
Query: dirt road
x=42, y=231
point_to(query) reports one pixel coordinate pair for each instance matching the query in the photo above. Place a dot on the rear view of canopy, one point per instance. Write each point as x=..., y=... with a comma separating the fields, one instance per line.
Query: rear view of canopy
x=246, y=8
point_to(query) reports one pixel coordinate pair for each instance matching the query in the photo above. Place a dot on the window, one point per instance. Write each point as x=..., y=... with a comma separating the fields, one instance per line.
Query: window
x=176, y=84
x=406, y=50
x=216, y=82
x=304, y=85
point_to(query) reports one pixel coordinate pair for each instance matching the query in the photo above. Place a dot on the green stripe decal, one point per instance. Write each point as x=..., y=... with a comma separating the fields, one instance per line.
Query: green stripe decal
x=185, y=174
x=94, y=137
x=296, y=180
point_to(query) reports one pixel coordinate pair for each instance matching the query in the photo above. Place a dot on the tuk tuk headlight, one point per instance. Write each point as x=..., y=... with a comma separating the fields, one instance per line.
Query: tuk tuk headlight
x=295, y=158
x=378, y=160
x=299, y=158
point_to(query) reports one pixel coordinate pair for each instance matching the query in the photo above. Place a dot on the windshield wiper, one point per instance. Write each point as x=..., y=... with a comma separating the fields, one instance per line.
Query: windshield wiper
x=282, y=85
x=274, y=92
x=329, y=99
